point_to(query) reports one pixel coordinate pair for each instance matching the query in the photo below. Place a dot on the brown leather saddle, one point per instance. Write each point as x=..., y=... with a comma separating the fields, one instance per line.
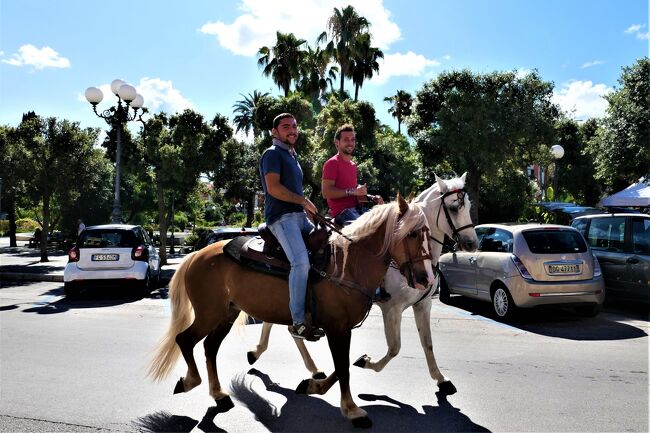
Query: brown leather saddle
x=263, y=253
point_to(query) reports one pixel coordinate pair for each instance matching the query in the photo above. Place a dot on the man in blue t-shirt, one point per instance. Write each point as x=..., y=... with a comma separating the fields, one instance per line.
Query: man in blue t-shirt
x=284, y=213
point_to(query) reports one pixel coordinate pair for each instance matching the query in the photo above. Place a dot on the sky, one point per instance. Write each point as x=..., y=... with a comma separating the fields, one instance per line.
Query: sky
x=202, y=54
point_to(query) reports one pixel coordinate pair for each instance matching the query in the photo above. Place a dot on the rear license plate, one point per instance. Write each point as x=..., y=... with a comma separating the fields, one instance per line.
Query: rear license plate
x=563, y=269
x=105, y=257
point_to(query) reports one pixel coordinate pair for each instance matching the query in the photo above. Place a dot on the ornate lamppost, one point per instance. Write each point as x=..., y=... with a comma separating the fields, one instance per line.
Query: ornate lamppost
x=117, y=116
x=558, y=152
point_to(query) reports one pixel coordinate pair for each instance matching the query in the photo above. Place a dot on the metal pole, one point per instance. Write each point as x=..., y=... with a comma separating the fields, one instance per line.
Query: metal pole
x=555, y=176
x=171, y=248
x=116, y=216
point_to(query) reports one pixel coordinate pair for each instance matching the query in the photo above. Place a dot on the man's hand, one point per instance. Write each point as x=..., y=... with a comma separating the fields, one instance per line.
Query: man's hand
x=309, y=206
x=377, y=199
x=361, y=190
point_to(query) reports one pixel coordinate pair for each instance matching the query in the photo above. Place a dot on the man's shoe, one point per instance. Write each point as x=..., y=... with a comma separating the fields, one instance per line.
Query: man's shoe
x=382, y=295
x=300, y=330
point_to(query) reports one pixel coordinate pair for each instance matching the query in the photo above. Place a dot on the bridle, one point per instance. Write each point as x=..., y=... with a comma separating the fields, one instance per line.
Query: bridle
x=460, y=197
x=423, y=255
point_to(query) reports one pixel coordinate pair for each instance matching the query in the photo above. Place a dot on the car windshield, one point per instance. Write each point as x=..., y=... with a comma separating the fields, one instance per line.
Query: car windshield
x=107, y=238
x=554, y=241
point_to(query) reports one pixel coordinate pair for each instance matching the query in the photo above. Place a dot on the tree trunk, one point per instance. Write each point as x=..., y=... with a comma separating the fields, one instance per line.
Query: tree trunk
x=12, y=221
x=250, y=211
x=162, y=223
x=473, y=186
x=399, y=125
x=46, y=228
x=356, y=92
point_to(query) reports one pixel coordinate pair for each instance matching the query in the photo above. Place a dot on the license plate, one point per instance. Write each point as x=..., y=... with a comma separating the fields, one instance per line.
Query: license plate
x=105, y=257
x=563, y=269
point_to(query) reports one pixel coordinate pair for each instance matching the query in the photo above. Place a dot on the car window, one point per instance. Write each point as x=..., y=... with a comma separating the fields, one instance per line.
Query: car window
x=607, y=234
x=554, y=241
x=641, y=235
x=580, y=225
x=496, y=240
x=107, y=238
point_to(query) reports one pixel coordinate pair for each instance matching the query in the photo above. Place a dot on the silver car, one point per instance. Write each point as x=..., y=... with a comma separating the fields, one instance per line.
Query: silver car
x=114, y=255
x=523, y=266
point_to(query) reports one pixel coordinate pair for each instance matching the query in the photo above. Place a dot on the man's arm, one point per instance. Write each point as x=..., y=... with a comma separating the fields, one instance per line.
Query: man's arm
x=330, y=191
x=281, y=192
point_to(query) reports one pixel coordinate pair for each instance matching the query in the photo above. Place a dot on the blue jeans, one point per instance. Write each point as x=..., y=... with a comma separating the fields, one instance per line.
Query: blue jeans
x=288, y=229
x=347, y=216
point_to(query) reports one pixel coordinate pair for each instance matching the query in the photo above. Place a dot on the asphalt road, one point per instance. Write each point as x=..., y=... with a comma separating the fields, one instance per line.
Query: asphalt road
x=79, y=366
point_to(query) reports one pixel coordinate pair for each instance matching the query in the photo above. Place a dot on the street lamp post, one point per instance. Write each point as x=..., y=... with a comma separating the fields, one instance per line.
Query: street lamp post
x=558, y=152
x=116, y=117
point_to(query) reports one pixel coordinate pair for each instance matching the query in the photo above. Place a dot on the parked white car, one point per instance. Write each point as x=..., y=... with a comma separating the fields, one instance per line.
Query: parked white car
x=112, y=255
x=524, y=266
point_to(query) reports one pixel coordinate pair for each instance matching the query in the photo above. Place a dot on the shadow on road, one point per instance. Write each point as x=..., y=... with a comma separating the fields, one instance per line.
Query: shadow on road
x=321, y=416
x=563, y=322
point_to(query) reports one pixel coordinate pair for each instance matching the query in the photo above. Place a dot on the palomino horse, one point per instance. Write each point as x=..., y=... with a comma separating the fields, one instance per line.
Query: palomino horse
x=445, y=196
x=212, y=289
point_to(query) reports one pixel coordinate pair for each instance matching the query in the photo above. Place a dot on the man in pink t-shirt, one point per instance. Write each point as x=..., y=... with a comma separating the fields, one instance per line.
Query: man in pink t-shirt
x=339, y=184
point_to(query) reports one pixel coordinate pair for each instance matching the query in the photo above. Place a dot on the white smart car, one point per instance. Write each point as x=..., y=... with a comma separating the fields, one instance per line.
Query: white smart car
x=112, y=255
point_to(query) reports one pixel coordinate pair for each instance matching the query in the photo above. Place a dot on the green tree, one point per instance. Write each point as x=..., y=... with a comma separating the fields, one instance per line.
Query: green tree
x=12, y=176
x=364, y=62
x=244, y=111
x=282, y=61
x=402, y=102
x=344, y=26
x=477, y=122
x=316, y=75
x=620, y=147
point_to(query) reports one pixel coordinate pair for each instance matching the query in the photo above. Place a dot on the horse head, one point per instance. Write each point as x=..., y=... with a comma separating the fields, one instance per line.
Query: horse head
x=449, y=199
x=408, y=249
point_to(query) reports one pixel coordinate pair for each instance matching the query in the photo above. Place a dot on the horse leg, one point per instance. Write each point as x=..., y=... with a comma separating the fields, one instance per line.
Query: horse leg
x=422, y=312
x=211, y=344
x=392, y=315
x=262, y=345
x=307, y=360
x=186, y=341
x=340, y=348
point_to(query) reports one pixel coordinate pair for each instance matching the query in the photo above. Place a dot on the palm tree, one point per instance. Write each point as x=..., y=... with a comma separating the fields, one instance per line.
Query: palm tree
x=316, y=74
x=344, y=27
x=401, y=107
x=244, y=111
x=364, y=62
x=282, y=61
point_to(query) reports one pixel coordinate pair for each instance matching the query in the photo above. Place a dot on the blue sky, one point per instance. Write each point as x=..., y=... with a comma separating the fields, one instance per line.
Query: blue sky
x=202, y=54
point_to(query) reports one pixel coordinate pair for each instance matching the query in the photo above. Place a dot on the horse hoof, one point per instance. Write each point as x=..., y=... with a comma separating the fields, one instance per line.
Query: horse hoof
x=363, y=422
x=179, y=386
x=302, y=388
x=361, y=362
x=251, y=358
x=318, y=376
x=447, y=388
x=224, y=405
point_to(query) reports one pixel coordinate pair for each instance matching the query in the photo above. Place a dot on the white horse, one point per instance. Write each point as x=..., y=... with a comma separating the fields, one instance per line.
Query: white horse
x=446, y=198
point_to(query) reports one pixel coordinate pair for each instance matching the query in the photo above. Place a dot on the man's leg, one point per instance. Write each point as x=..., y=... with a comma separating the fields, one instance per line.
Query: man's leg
x=347, y=216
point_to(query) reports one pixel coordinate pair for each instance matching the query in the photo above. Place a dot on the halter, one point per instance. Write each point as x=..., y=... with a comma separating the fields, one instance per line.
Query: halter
x=423, y=255
x=460, y=197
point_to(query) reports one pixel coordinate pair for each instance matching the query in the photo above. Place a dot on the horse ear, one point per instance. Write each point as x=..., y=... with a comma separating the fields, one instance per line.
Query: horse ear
x=410, y=197
x=442, y=186
x=463, y=177
x=403, y=205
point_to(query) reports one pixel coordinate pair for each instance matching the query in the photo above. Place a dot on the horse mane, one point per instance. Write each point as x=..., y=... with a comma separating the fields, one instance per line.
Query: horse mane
x=368, y=223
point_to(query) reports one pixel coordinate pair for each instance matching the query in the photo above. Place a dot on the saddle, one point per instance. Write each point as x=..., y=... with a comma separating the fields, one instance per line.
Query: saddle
x=263, y=253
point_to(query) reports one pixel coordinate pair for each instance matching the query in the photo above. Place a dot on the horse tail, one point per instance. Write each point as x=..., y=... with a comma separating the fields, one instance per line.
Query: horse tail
x=182, y=316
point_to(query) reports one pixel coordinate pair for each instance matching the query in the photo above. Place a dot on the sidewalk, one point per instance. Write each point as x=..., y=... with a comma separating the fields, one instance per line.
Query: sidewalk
x=22, y=263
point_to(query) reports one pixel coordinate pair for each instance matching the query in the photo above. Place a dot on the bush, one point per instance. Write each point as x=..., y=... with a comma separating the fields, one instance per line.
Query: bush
x=237, y=219
x=26, y=225
x=180, y=220
x=4, y=227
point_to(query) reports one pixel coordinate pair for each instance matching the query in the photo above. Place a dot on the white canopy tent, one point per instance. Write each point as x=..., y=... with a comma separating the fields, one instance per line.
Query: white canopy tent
x=637, y=194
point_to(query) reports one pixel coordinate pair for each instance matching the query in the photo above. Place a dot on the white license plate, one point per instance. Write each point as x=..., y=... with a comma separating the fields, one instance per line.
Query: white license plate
x=563, y=269
x=105, y=257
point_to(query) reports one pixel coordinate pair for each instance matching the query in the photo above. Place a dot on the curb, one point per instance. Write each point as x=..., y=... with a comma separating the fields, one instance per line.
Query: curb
x=23, y=276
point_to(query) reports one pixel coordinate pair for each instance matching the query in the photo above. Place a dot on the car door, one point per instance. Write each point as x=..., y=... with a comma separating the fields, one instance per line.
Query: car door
x=494, y=250
x=461, y=273
x=635, y=280
x=606, y=237
x=154, y=259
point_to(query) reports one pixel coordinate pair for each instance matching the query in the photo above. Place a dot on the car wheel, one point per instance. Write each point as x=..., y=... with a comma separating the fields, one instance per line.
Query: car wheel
x=70, y=291
x=588, y=310
x=444, y=290
x=503, y=305
x=146, y=284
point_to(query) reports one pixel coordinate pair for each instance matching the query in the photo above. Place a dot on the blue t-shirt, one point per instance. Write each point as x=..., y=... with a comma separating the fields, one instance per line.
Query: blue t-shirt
x=277, y=159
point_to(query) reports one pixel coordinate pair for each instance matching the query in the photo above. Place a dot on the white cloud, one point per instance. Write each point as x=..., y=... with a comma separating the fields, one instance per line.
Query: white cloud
x=582, y=99
x=257, y=25
x=397, y=64
x=592, y=63
x=39, y=58
x=159, y=95
x=636, y=30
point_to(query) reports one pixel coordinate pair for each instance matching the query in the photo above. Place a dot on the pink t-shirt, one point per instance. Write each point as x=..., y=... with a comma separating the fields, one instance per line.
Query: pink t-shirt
x=344, y=175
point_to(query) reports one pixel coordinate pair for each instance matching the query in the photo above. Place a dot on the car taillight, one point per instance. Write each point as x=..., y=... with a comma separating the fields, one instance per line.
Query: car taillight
x=140, y=253
x=597, y=271
x=73, y=255
x=521, y=267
